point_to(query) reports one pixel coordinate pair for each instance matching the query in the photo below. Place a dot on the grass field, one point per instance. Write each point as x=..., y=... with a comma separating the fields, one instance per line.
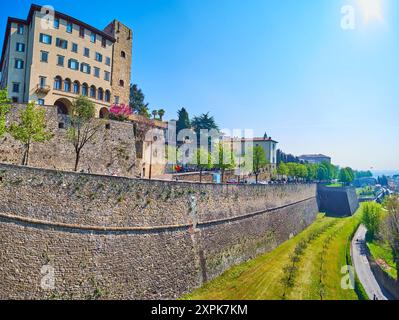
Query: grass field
x=383, y=253
x=306, y=267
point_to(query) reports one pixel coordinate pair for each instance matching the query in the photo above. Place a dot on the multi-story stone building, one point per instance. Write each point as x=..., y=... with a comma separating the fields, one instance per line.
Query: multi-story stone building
x=52, y=58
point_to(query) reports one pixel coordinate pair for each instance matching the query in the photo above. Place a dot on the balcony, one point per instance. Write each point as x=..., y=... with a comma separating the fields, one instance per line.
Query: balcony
x=42, y=89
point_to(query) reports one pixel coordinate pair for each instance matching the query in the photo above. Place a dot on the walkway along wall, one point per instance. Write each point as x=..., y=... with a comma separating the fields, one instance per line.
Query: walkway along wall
x=77, y=236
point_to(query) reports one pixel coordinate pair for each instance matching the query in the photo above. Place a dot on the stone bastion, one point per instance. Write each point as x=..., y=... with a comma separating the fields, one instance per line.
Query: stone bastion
x=65, y=235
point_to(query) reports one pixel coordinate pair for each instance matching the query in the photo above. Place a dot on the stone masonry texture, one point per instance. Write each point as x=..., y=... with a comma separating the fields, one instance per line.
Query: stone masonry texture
x=108, y=237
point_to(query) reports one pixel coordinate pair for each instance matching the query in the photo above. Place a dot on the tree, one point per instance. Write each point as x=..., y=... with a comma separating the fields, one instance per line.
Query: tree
x=32, y=127
x=136, y=101
x=161, y=113
x=184, y=120
x=391, y=204
x=372, y=218
x=4, y=109
x=83, y=126
x=204, y=122
x=154, y=113
x=302, y=171
x=346, y=175
x=223, y=158
x=312, y=171
x=203, y=160
x=259, y=161
x=322, y=173
x=282, y=169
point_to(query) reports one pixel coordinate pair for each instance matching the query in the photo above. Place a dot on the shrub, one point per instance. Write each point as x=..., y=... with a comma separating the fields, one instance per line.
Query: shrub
x=372, y=218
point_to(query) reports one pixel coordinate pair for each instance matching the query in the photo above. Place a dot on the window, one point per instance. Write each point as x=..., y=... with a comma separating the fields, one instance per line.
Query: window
x=56, y=23
x=42, y=82
x=86, y=52
x=69, y=27
x=104, y=42
x=20, y=29
x=40, y=102
x=19, y=64
x=57, y=83
x=100, y=95
x=73, y=64
x=67, y=85
x=108, y=61
x=81, y=32
x=61, y=43
x=14, y=99
x=60, y=61
x=45, y=38
x=44, y=56
x=74, y=47
x=93, y=92
x=99, y=57
x=85, y=68
x=107, y=76
x=123, y=54
x=76, y=87
x=96, y=72
x=121, y=83
x=84, y=90
x=15, y=87
x=20, y=47
x=93, y=37
x=116, y=99
x=107, y=96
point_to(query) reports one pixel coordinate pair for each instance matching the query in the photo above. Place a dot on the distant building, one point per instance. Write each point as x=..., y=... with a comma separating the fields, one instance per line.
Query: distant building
x=315, y=158
x=268, y=145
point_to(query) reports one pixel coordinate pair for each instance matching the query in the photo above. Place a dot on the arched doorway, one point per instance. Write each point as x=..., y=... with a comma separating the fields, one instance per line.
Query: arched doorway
x=104, y=113
x=63, y=106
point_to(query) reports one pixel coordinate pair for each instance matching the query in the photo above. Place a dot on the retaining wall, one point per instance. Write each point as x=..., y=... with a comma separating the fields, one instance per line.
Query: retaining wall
x=119, y=238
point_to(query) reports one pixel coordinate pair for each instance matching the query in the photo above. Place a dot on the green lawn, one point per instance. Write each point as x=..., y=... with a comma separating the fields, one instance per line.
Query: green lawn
x=383, y=252
x=317, y=272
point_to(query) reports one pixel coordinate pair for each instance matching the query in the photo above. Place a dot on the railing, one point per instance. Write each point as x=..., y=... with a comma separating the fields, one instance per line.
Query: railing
x=43, y=89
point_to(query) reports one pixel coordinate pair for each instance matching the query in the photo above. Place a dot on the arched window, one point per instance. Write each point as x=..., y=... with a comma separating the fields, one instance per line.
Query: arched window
x=67, y=85
x=57, y=83
x=93, y=92
x=121, y=83
x=107, y=96
x=76, y=87
x=85, y=89
x=123, y=54
x=100, y=94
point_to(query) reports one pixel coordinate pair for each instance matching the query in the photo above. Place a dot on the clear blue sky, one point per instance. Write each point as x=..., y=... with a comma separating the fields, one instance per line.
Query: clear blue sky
x=281, y=66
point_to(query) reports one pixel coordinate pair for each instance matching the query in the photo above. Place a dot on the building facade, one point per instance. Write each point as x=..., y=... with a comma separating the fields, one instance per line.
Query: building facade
x=51, y=58
x=315, y=158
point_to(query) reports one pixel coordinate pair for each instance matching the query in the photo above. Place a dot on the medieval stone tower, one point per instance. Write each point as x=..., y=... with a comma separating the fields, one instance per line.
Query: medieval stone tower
x=122, y=60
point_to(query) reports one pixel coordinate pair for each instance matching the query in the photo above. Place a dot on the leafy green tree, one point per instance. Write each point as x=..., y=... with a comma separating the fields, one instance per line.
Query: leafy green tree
x=302, y=171
x=83, y=127
x=322, y=173
x=161, y=113
x=137, y=101
x=203, y=160
x=371, y=218
x=292, y=169
x=346, y=175
x=4, y=109
x=184, y=120
x=32, y=127
x=282, y=169
x=259, y=161
x=204, y=122
x=223, y=158
x=312, y=172
x=391, y=204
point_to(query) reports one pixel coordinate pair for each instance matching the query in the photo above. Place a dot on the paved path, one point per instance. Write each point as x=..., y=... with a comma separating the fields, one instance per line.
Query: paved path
x=362, y=266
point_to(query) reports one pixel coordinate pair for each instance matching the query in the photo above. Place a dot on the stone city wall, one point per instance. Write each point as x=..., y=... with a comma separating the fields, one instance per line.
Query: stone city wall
x=112, y=152
x=117, y=238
